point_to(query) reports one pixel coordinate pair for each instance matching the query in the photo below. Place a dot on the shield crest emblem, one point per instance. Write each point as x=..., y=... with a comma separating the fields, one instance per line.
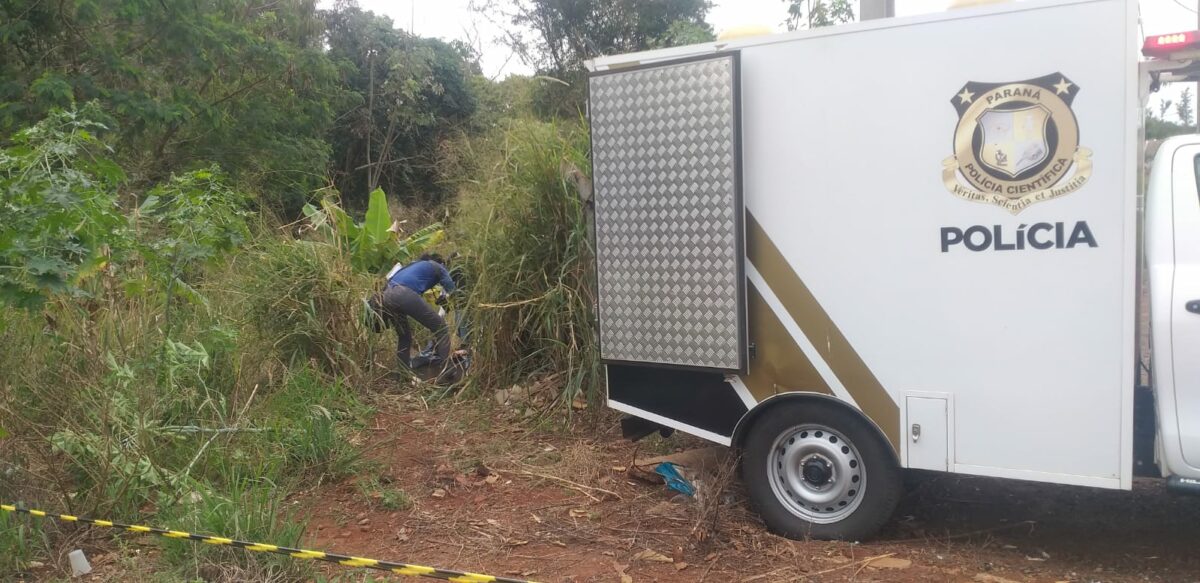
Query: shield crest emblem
x=1016, y=143
x=1014, y=140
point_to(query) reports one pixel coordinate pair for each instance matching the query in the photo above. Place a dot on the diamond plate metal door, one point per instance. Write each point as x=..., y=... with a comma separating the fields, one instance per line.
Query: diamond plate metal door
x=669, y=245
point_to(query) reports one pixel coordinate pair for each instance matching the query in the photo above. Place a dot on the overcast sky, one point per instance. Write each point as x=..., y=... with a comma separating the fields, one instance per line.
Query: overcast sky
x=453, y=19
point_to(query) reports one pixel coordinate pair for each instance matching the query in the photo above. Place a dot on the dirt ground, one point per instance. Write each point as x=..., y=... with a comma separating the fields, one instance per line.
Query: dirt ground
x=490, y=495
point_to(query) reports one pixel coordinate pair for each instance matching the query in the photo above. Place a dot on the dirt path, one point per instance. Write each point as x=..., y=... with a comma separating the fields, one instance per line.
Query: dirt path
x=489, y=495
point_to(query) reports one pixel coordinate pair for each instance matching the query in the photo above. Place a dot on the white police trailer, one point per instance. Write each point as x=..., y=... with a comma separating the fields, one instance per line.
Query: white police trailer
x=908, y=243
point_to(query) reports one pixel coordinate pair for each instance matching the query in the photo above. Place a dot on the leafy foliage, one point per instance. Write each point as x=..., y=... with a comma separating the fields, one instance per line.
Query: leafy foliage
x=61, y=216
x=375, y=244
x=193, y=218
x=409, y=94
x=240, y=83
x=1184, y=110
x=524, y=236
x=1158, y=127
x=818, y=13
x=556, y=36
x=560, y=34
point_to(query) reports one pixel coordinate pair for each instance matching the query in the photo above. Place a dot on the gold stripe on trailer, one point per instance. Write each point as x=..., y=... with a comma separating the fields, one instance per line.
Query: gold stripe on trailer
x=344, y=560
x=780, y=365
x=815, y=322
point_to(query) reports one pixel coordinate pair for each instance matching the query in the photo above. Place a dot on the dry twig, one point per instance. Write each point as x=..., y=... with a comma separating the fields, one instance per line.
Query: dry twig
x=582, y=489
x=863, y=562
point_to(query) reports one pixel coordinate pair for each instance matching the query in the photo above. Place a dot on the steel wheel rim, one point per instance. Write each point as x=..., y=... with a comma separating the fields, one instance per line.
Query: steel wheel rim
x=816, y=473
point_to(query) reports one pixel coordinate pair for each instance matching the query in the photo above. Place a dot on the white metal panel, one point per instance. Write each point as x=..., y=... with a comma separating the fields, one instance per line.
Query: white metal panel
x=927, y=434
x=665, y=156
x=1185, y=322
x=612, y=62
x=1160, y=266
x=845, y=134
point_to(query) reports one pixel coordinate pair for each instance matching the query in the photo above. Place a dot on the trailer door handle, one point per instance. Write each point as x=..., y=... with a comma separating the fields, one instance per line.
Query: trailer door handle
x=1193, y=306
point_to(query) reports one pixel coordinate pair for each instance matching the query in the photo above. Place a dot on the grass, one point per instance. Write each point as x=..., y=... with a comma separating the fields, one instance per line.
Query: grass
x=523, y=232
x=251, y=509
x=205, y=424
x=198, y=397
x=378, y=492
x=20, y=539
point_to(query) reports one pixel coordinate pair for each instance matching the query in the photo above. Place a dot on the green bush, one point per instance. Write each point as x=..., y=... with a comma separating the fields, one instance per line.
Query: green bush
x=311, y=415
x=250, y=509
x=59, y=199
x=306, y=304
x=523, y=232
x=372, y=246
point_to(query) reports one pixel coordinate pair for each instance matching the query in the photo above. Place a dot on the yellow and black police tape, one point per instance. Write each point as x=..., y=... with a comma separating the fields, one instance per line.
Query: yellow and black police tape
x=344, y=560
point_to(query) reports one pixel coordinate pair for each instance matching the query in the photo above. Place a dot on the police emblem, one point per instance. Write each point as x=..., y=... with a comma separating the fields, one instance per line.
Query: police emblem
x=1016, y=143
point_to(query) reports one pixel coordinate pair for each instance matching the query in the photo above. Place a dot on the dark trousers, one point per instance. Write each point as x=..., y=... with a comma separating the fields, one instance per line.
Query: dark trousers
x=401, y=303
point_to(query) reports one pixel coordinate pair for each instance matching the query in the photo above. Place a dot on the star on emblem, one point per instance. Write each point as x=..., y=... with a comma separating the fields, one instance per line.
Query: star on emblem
x=966, y=96
x=1062, y=86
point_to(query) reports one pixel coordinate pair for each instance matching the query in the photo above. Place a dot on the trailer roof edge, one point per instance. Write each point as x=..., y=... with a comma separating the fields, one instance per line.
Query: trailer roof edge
x=644, y=57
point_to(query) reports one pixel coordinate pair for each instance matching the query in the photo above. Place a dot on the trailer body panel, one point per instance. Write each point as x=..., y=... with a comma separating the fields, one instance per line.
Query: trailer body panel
x=945, y=205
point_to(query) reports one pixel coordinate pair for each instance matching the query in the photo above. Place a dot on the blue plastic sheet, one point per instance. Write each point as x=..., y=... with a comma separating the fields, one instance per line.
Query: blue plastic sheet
x=674, y=479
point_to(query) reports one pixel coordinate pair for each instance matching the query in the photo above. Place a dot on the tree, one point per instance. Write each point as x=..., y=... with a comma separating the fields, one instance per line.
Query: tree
x=409, y=94
x=1184, y=108
x=1163, y=107
x=555, y=37
x=558, y=35
x=684, y=32
x=818, y=13
x=242, y=83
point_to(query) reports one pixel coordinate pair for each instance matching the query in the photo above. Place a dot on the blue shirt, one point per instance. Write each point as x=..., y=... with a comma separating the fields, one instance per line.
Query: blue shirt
x=421, y=276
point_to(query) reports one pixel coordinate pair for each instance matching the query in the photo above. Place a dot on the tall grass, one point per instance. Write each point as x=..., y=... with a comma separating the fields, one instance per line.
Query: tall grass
x=206, y=425
x=523, y=231
x=305, y=301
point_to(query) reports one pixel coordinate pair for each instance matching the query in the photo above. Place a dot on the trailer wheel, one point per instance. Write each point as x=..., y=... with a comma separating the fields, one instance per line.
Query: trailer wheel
x=818, y=470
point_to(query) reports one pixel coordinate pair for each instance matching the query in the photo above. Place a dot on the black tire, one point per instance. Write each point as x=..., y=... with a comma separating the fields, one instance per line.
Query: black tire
x=881, y=486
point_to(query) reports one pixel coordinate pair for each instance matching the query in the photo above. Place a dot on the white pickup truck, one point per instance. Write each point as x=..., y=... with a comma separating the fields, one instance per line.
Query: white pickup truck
x=906, y=243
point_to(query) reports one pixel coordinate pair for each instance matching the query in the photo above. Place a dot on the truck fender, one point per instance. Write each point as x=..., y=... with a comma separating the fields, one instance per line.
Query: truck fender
x=742, y=429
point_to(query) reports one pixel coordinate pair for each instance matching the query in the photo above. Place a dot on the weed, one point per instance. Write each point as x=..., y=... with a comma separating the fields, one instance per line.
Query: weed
x=378, y=492
x=250, y=509
x=374, y=245
x=312, y=417
x=306, y=304
x=20, y=540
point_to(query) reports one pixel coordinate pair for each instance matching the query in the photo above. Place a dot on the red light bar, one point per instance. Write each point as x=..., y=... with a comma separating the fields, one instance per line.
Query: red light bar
x=1163, y=45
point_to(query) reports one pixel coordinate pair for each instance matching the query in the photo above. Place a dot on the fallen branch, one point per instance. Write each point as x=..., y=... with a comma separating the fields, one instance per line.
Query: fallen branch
x=863, y=562
x=767, y=574
x=582, y=489
x=515, y=304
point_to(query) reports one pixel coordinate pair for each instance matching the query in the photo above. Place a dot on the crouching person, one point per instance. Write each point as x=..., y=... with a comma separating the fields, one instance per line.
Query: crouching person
x=402, y=299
